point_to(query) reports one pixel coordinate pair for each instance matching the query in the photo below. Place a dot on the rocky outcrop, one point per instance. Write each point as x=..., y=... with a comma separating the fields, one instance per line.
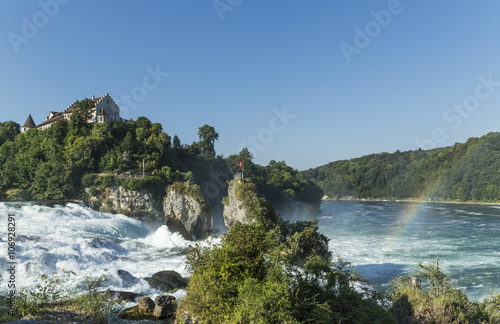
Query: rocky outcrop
x=164, y=307
x=234, y=211
x=187, y=210
x=123, y=295
x=128, y=280
x=243, y=204
x=138, y=204
x=166, y=281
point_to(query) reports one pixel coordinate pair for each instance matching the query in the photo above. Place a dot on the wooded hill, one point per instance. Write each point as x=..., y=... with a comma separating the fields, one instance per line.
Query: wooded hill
x=59, y=163
x=463, y=172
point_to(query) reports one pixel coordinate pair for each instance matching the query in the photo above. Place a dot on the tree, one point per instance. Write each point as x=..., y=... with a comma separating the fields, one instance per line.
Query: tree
x=59, y=130
x=176, y=144
x=8, y=130
x=79, y=120
x=208, y=136
x=128, y=143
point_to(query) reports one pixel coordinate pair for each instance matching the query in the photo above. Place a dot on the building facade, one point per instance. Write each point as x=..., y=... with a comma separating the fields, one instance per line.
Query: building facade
x=105, y=111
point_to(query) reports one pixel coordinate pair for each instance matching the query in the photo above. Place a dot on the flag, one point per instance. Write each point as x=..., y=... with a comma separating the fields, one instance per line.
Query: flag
x=240, y=165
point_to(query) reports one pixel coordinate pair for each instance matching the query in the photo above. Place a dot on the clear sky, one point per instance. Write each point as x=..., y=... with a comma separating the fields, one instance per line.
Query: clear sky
x=301, y=81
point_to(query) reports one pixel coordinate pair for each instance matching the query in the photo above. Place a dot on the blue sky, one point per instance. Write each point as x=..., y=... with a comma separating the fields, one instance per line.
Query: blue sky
x=303, y=82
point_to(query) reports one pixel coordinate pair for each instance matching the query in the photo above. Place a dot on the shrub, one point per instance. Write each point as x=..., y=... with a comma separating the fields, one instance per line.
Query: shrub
x=51, y=293
x=491, y=307
x=254, y=276
x=440, y=303
x=89, y=179
x=153, y=184
x=109, y=181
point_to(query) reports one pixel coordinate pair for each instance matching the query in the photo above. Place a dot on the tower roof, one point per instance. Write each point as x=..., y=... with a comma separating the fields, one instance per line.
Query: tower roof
x=29, y=122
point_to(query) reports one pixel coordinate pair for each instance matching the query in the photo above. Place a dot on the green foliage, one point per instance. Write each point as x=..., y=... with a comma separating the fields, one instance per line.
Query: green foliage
x=491, y=308
x=60, y=162
x=255, y=207
x=305, y=238
x=50, y=294
x=441, y=303
x=277, y=182
x=254, y=275
x=8, y=130
x=100, y=306
x=78, y=125
x=108, y=181
x=438, y=281
x=207, y=136
x=463, y=172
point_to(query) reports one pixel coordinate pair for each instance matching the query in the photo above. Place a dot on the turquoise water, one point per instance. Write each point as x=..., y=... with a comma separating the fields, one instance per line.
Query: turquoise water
x=387, y=239
x=381, y=239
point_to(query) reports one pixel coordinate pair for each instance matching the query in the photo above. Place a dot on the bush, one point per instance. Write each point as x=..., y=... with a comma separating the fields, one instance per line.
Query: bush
x=89, y=180
x=50, y=294
x=441, y=303
x=254, y=276
x=153, y=184
x=491, y=307
x=109, y=181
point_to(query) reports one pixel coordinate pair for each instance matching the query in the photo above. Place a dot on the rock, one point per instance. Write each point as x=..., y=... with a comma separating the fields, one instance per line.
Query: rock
x=146, y=305
x=124, y=295
x=243, y=204
x=165, y=307
x=187, y=210
x=166, y=281
x=138, y=204
x=144, y=310
x=134, y=314
x=128, y=280
x=97, y=242
x=234, y=211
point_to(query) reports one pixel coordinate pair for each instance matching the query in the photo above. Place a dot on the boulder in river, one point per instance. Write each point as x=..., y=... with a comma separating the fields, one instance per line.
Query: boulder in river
x=166, y=281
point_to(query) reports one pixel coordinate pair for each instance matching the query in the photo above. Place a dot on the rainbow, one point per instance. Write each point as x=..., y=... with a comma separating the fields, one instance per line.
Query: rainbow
x=409, y=216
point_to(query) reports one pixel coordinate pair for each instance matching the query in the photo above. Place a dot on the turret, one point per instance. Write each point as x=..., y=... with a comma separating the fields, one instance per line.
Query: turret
x=29, y=124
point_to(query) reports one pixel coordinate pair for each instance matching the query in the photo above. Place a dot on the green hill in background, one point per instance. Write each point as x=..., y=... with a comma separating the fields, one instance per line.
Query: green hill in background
x=463, y=172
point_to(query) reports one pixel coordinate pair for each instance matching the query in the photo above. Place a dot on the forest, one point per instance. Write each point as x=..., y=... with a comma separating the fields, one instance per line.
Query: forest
x=465, y=172
x=59, y=163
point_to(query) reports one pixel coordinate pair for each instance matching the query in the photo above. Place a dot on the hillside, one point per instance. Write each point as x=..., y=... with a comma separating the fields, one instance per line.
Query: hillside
x=463, y=172
x=60, y=162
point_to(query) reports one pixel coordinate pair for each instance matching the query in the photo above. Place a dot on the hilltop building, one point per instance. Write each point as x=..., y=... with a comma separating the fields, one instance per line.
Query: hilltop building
x=105, y=111
x=28, y=124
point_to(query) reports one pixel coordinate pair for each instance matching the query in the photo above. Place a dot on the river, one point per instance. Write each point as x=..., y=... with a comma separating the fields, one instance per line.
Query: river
x=381, y=239
x=388, y=239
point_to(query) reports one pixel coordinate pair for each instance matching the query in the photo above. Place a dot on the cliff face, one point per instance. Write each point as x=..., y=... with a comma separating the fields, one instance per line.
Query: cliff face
x=234, y=211
x=136, y=204
x=187, y=210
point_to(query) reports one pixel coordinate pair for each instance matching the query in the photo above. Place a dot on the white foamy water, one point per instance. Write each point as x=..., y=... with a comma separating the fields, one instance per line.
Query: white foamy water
x=76, y=238
x=378, y=238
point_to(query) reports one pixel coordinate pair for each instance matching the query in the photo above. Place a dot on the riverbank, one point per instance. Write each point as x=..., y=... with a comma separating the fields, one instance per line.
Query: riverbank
x=413, y=200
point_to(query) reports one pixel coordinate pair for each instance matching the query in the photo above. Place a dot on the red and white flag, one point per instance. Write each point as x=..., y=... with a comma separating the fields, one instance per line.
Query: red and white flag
x=240, y=165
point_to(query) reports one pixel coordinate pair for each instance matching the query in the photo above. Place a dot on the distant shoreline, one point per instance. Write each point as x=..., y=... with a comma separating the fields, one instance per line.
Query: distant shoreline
x=414, y=201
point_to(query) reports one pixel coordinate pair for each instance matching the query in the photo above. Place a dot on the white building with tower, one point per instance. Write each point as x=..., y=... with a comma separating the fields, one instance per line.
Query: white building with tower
x=105, y=111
